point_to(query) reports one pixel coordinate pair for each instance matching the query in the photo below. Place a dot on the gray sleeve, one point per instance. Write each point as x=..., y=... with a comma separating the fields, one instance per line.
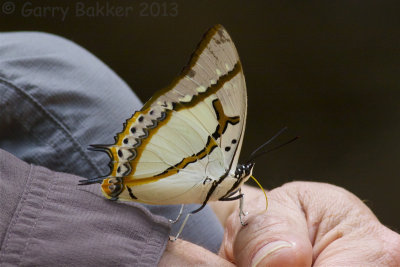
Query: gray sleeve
x=56, y=99
x=47, y=220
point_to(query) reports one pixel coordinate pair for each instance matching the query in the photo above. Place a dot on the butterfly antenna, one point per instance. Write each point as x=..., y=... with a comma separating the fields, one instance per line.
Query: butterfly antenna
x=251, y=157
x=275, y=148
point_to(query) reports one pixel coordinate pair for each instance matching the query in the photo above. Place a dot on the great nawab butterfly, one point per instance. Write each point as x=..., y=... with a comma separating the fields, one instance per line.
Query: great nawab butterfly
x=183, y=146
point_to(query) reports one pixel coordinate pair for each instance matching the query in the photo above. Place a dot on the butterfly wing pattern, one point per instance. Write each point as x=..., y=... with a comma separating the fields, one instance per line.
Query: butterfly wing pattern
x=183, y=145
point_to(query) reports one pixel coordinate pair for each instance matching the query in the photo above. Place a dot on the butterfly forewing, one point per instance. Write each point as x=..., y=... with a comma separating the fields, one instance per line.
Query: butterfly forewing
x=188, y=134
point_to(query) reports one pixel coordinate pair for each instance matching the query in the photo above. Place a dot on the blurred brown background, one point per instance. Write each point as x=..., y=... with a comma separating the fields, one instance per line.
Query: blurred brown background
x=328, y=70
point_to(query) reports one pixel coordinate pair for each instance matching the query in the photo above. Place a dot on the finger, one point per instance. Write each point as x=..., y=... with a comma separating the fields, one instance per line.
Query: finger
x=345, y=231
x=278, y=237
x=183, y=253
x=372, y=246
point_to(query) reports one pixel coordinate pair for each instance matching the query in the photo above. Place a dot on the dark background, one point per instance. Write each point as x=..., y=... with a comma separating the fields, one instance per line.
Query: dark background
x=328, y=70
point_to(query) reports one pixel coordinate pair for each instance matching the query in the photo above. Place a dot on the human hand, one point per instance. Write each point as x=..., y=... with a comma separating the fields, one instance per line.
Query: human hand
x=308, y=224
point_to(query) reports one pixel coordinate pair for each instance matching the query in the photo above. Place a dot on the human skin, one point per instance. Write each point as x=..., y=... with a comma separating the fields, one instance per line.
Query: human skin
x=306, y=224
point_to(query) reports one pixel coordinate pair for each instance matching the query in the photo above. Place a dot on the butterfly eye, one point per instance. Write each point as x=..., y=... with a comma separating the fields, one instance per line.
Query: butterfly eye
x=111, y=187
x=249, y=168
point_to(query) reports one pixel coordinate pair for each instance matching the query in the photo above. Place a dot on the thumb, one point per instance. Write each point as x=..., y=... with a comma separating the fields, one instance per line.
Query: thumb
x=278, y=237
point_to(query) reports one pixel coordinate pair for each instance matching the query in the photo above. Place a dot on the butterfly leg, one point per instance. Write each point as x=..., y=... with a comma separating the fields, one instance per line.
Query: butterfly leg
x=181, y=228
x=186, y=219
x=214, y=185
x=240, y=196
x=179, y=215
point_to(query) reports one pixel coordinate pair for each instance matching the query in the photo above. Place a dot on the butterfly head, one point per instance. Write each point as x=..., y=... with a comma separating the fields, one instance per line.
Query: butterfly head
x=243, y=172
x=112, y=187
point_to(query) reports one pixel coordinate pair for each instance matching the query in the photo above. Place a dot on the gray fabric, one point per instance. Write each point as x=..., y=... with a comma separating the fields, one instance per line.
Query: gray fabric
x=46, y=220
x=56, y=99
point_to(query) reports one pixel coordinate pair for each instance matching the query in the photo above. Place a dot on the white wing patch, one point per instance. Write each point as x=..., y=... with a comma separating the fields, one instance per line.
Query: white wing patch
x=188, y=186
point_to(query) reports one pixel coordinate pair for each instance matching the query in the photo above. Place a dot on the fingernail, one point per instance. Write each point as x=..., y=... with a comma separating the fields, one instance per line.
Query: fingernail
x=268, y=250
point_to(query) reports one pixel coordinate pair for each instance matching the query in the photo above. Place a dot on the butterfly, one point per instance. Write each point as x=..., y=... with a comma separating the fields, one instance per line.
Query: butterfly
x=183, y=146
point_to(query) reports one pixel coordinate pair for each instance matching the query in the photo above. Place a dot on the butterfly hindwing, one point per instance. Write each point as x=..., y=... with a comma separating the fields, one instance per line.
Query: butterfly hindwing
x=188, y=135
